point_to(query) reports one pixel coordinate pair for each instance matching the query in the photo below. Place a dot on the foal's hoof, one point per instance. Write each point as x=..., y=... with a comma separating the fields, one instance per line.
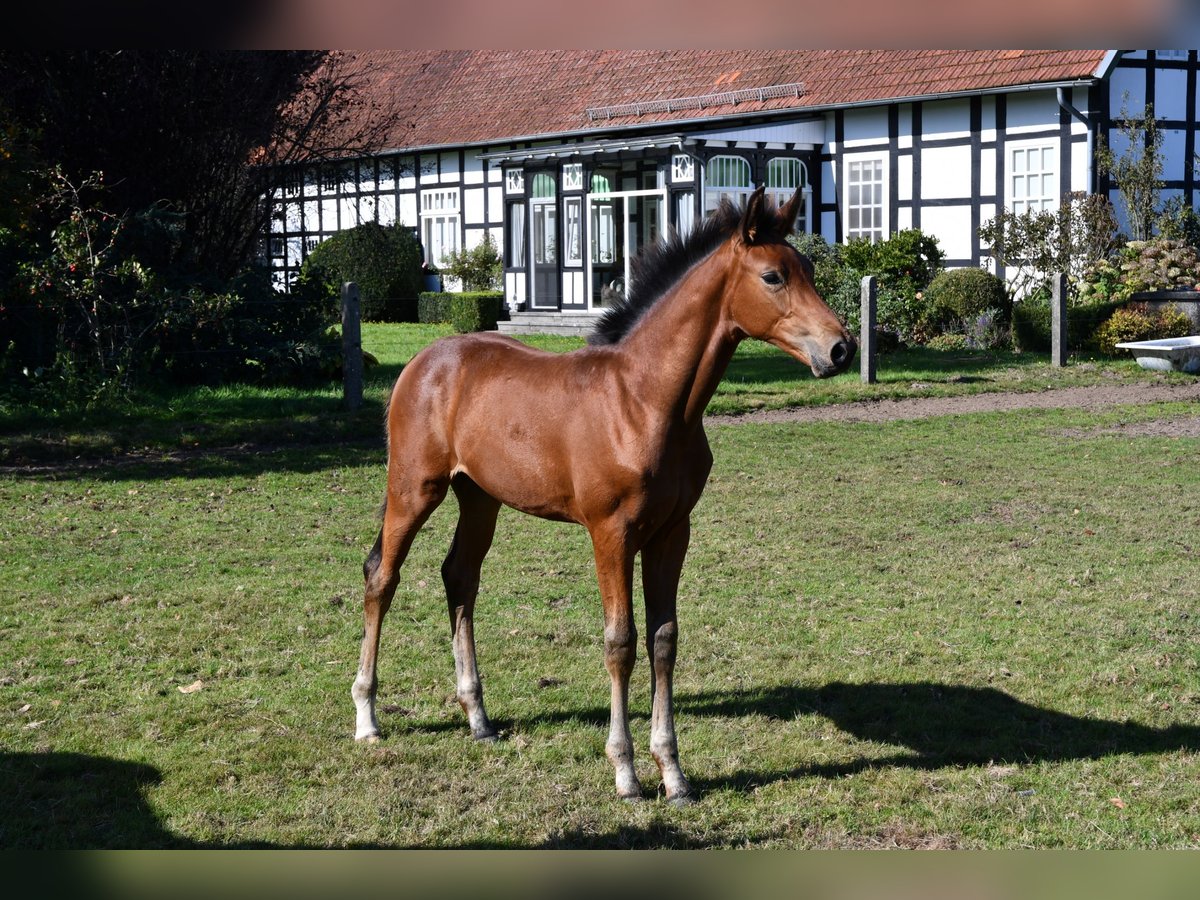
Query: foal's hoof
x=373, y=738
x=487, y=737
x=682, y=801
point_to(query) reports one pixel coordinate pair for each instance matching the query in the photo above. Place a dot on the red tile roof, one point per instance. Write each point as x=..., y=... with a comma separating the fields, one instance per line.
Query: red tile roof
x=458, y=97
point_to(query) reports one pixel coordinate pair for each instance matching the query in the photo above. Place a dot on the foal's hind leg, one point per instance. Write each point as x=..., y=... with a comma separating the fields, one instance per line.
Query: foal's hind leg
x=477, y=513
x=403, y=517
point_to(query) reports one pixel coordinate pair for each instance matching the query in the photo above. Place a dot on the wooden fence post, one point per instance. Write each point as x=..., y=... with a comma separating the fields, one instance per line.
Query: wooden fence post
x=869, y=338
x=352, y=360
x=1058, y=320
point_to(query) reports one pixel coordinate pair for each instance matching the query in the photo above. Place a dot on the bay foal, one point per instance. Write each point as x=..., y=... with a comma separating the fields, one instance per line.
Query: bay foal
x=609, y=436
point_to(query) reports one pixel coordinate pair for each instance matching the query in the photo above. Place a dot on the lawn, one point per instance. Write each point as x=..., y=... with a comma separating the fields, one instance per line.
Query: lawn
x=977, y=631
x=158, y=420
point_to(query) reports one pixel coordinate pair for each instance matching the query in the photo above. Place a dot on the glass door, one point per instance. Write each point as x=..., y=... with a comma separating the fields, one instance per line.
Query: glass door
x=621, y=223
x=543, y=224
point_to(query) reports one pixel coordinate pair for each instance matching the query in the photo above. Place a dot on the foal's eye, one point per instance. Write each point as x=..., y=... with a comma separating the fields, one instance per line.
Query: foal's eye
x=772, y=278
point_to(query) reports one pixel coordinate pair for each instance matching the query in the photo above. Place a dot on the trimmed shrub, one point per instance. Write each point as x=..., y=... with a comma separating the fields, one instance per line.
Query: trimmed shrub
x=963, y=295
x=384, y=261
x=433, y=307
x=475, y=310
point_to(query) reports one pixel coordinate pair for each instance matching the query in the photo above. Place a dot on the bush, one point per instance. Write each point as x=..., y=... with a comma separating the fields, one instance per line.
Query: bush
x=1031, y=321
x=1161, y=264
x=384, y=261
x=479, y=268
x=909, y=255
x=1124, y=325
x=960, y=297
x=475, y=311
x=947, y=341
x=433, y=307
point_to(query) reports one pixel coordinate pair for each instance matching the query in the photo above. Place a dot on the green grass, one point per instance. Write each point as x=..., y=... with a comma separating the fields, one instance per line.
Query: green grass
x=164, y=419
x=978, y=631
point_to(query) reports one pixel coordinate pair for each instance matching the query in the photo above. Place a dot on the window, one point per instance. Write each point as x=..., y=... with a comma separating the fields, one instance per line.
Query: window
x=514, y=221
x=682, y=167
x=1033, y=178
x=866, y=188
x=440, y=224
x=573, y=177
x=573, y=239
x=543, y=212
x=784, y=176
x=726, y=178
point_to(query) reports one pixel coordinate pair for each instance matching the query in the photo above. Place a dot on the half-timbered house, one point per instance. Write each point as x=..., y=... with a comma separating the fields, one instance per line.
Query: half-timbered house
x=573, y=160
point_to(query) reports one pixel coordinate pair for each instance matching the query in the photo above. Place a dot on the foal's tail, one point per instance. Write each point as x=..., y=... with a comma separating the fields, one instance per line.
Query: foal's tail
x=371, y=564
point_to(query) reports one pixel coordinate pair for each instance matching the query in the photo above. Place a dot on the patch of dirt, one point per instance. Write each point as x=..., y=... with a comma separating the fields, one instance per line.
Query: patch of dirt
x=1172, y=428
x=1094, y=397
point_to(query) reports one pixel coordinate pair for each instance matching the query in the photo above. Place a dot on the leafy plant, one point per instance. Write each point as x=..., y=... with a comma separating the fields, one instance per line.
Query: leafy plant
x=1178, y=221
x=1035, y=244
x=479, y=268
x=1138, y=171
x=1154, y=265
x=1137, y=323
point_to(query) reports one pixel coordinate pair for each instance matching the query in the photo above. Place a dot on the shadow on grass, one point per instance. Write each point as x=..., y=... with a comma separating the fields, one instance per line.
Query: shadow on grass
x=941, y=724
x=70, y=800
x=75, y=801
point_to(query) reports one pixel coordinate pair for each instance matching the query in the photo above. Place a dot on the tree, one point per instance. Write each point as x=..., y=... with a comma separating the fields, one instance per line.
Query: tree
x=1138, y=171
x=201, y=131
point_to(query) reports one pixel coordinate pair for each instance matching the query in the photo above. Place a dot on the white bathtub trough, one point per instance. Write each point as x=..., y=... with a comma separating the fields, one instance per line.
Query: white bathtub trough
x=1169, y=354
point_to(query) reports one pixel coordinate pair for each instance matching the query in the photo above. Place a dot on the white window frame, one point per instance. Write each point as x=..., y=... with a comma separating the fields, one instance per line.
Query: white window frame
x=852, y=200
x=714, y=193
x=1025, y=161
x=781, y=194
x=441, y=224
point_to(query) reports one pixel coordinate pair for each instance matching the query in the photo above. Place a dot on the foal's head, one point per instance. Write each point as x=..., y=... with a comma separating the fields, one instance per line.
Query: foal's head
x=771, y=294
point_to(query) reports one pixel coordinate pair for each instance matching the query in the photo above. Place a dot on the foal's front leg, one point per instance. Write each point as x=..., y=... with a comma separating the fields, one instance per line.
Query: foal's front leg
x=662, y=562
x=614, y=571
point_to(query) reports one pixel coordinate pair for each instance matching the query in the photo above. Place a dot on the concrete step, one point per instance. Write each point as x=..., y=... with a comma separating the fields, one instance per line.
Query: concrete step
x=570, y=324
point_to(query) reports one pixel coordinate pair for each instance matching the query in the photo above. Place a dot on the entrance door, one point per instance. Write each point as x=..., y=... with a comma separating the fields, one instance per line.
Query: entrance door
x=622, y=222
x=543, y=224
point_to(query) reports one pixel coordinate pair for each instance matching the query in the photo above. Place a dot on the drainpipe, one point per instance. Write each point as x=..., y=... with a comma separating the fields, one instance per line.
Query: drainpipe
x=1066, y=105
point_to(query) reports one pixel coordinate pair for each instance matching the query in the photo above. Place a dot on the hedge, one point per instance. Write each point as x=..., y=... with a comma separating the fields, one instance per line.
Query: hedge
x=433, y=306
x=467, y=311
x=1031, y=324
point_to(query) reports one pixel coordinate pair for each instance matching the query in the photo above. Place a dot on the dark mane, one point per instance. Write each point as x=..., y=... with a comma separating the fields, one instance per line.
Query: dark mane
x=657, y=268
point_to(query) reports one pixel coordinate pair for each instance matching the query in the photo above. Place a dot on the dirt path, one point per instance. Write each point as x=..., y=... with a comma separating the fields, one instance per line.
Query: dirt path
x=1095, y=397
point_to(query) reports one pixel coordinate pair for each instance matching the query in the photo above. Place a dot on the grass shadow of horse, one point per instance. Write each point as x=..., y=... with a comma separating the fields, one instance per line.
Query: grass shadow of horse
x=940, y=725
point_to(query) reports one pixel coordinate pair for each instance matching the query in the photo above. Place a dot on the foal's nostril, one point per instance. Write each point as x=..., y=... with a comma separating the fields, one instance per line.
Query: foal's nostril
x=842, y=353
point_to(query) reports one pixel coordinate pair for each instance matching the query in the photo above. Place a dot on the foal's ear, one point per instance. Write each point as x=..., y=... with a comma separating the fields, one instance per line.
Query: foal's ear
x=790, y=210
x=753, y=224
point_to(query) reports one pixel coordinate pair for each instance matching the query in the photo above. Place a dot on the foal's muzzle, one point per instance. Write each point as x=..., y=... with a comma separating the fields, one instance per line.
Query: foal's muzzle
x=841, y=355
